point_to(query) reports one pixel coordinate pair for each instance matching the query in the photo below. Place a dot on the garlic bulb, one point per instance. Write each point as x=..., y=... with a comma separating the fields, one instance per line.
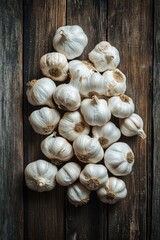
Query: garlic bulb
x=79, y=69
x=77, y=194
x=93, y=176
x=115, y=82
x=119, y=159
x=113, y=191
x=87, y=149
x=106, y=134
x=70, y=40
x=133, y=125
x=54, y=65
x=57, y=149
x=40, y=92
x=73, y=125
x=40, y=176
x=67, y=97
x=104, y=56
x=44, y=120
x=68, y=174
x=121, y=106
x=92, y=85
x=95, y=111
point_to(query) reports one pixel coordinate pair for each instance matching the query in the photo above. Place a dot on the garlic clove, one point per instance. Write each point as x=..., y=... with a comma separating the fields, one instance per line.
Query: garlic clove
x=77, y=194
x=104, y=56
x=87, y=149
x=113, y=191
x=121, y=106
x=106, y=134
x=73, y=125
x=68, y=174
x=54, y=65
x=93, y=176
x=44, y=120
x=133, y=125
x=115, y=82
x=67, y=97
x=70, y=41
x=40, y=92
x=57, y=149
x=40, y=176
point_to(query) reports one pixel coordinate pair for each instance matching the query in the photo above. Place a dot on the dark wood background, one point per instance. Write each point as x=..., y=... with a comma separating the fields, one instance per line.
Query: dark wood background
x=27, y=28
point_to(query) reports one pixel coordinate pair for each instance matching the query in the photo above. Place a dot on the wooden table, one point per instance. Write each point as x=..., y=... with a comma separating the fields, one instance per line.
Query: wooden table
x=27, y=29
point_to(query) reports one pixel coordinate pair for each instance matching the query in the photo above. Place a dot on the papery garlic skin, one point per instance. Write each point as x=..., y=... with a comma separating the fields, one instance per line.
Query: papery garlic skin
x=93, y=176
x=44, y=120
x=40, y=176
x=70, y=41
x=119, y=159
x=68, y=174
x=104, y=56
x=40, y=92
x=57, y=149
x=54, y=65
x=92, y=85
x=113, y=191
x=106, y=134
x=77, y=194
x=115, y=82
x=95, y=111
x=121, y=106
x=87, y=149
x=133, y=125
x=73, y=125
x=67, y=97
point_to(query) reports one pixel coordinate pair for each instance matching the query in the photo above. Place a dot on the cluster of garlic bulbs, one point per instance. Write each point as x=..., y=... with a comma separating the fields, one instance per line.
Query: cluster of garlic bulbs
x=83, y=144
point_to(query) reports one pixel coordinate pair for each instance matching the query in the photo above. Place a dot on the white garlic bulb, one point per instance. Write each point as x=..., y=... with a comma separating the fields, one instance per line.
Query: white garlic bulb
x=40, y=176
x=113, y=191
x=68, y=174
x=119, y=159
x=44, y=120
x=95, y=111
x=54, y=65
x=93, y=176
x=115, y=82
x=87, y=149
x=77, y=194
x=104, y=56
x=40, y=92
x=92, y=85
x=133, y=125
x=57, y=149
x=67, y=97
x=79, y=69
x=70, y=41
x=106, y=134
x=121, y=106
x=73, y=125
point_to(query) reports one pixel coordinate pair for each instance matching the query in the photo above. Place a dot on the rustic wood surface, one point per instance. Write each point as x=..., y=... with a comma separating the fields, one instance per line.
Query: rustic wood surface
x=27, y=28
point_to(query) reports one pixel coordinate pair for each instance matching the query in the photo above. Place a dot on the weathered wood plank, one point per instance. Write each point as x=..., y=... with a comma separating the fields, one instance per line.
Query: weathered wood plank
x=156, y=126
x=44, y=213
x=88, y=222
x=130, y=30
x=11, y=120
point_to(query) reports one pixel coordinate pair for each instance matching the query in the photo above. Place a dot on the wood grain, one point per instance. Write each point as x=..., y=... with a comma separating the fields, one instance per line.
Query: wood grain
x=155, y=233
x=130, y=30
x=44, y=212
x=88, y=222
x=11, y=121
